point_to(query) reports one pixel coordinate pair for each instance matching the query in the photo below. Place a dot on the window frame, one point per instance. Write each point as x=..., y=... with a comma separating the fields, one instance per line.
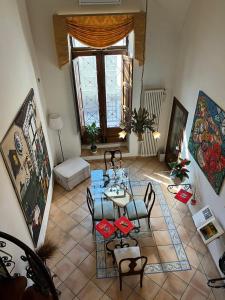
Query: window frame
x=107, y=135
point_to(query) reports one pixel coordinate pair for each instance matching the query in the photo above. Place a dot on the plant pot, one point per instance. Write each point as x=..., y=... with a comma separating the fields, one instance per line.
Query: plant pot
x=93, y=148
x=177, y=180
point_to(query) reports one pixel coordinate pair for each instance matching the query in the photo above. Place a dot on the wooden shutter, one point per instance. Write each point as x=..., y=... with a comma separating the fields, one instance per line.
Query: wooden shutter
x=127, y=81
x=78, y=96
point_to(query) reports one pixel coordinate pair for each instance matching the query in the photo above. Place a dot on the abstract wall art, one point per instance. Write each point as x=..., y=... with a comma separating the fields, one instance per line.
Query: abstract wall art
x=207, y=140
x=26, y=157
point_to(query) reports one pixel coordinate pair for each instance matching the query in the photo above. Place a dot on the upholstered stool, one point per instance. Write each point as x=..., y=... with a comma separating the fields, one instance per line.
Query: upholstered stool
x=71, y=172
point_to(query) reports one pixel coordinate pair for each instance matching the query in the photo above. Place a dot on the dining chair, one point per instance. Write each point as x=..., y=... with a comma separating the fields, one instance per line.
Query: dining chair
x=130, y=262
x=115, y=158
x=138, y=209
x=100, y=209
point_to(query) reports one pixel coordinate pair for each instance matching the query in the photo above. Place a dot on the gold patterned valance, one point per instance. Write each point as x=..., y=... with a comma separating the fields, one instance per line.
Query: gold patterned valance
x=98, y=31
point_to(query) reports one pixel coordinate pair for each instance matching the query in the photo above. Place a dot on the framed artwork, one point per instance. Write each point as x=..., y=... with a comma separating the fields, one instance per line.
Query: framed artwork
x=26, y=157
x=207, y=140
x=177, y=126
x=210, y=231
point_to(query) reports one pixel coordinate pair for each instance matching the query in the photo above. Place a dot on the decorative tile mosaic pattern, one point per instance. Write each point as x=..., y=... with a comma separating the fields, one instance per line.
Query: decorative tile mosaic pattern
x=156, y=249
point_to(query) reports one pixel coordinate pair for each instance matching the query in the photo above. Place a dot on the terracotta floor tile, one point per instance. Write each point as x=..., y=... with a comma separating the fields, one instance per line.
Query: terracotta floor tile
x=167, y=253
x=158, y=278
x=156, y=211
x=184, y=234
x=77, y=255
x=151, y=253
x=76, y=281
x=158, y=224
x=192, y=257
x=87, y=222
x=67, y=223
x=209, y=266
x=88, y=266
x=60, y=201
x=132, y=281
x=64, y=268
x=79, y=198
x=104, y=283
x=66, y=293
x=199, y=282
x=105, y=297
x=193, y=294
x=198, y=244
x=79, y=214
x=134, y=296
x=149, y=289
x=163, y=295
x=188, y=223
x=78, y=233
x=162, y=237
x=68, y=244
x=174, y=286
x=90, y=291
x=58, y=255
x=186, y=275
x=114, y=291
x=69, y=207
x=88, y=243
x=72, y=193
x=146, y=242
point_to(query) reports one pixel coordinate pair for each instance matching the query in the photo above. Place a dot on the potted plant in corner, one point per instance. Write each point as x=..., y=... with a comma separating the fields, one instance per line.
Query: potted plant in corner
x=92, y=132
x=179, y=171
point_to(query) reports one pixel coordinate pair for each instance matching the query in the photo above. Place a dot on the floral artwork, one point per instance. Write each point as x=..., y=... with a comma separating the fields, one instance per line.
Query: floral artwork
x=207, y=140
x=26, y=157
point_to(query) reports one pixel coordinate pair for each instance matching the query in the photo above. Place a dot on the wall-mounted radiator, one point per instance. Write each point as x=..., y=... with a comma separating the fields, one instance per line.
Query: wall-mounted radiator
x=152, y=102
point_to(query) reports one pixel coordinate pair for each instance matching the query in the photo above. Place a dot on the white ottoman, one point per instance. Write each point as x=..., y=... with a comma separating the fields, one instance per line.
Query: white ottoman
x=71, y=172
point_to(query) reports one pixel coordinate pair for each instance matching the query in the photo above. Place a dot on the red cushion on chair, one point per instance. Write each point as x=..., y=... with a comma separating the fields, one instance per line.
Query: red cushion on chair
x=13, y=288
x=32, y=293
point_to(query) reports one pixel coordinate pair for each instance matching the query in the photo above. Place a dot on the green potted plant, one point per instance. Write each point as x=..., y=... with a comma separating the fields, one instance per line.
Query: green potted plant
x=179, y=171
x=138, y=122
x=92, y=131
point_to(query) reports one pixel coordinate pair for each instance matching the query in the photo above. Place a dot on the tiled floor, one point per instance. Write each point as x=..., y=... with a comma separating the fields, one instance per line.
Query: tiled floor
x=75, y=263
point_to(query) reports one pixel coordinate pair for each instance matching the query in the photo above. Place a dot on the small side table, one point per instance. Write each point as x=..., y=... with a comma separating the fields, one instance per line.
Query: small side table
x=185, y=186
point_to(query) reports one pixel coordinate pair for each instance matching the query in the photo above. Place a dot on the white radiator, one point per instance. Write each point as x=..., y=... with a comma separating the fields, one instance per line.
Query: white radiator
x=152, y=102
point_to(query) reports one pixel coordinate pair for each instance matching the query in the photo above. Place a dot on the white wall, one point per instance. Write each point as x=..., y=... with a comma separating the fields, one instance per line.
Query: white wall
x=160, y=53
x=17, y=77
x=201, y=67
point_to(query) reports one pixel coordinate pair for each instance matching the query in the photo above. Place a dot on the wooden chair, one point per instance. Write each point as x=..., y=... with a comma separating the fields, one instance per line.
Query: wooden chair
x=114, y=159
x=138, y=209
x=100, y=209
x=130, y=262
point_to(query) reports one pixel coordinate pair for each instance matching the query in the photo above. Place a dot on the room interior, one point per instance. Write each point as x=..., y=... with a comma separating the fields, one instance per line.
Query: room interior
x=183, y=54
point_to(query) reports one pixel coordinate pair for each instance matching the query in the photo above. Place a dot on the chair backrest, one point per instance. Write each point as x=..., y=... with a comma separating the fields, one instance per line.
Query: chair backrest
x=150, y=202
x=90, y=202
x=115, y=157
x=148, y=192
x=132, y=266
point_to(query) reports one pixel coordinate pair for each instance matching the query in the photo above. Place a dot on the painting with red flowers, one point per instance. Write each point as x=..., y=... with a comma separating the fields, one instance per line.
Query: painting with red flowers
x=207, y=140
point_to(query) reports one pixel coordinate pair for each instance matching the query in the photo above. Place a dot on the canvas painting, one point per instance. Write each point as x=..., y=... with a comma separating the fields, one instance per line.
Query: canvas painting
x=26, y=157
x=207, y=140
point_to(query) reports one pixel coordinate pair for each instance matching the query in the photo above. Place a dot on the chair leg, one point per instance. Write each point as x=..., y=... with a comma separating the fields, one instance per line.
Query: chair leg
x=149, y=223
x=120, y=283
x=141, y=279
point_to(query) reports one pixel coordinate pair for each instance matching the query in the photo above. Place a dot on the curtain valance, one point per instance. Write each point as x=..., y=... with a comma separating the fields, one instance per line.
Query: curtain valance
x=98, y=31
